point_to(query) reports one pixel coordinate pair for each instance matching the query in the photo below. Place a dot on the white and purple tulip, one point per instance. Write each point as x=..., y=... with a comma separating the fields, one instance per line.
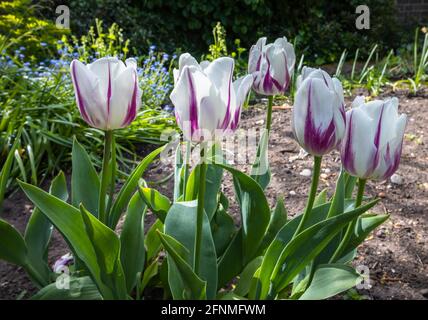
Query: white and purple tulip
x=272, y=66
x=107, y=92
x=62, y=262
x=372, y=145
x=207, y=102
x=318, y=120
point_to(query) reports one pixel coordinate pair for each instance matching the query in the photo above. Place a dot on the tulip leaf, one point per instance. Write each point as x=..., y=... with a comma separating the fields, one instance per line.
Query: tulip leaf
x=276, y=247
x=260, y=170
x=180, y=223
x=213, y=180
x=255, y=212
x=321, y=198
x=231, y=262
x=39, y=229
x=157, y=202
x=69, y=222
x=245, y=278
x=12, y=246
x=192, y=186
x=178, y=174
x=153, y=244
x=7, y=166
x=329, y=280
x=184, y=283
x=277, y=220
x=306, y=246
x=132, y=251
x=71, y=288
x=85, y=183
x=223, y=230
x=129, y=187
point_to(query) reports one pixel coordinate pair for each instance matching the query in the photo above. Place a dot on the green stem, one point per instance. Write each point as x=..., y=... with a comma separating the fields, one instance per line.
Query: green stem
x=312, y=194
x=269, y=113
x=113, y=174
x=104, y=176
x=186, y=166
x=351, y=226
x=200, y=212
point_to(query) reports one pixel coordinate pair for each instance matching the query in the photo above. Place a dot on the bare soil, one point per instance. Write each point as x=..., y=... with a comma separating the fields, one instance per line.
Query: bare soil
x=396, y=254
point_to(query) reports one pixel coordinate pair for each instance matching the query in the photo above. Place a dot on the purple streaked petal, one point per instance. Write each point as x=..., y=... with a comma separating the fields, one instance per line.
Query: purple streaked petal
x=193, y=105
x=80, y=99
x=227, y=116
x=132, y=106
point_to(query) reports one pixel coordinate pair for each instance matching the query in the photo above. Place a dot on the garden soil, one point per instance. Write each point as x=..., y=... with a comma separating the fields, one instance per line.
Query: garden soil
x=396, y=254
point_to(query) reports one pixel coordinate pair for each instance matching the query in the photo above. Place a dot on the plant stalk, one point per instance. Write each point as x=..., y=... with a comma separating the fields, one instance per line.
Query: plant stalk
x=269, y=113
x=312, y=194
x=200, y=210
x=113, y=174
x=104, y=176
x=351, y=225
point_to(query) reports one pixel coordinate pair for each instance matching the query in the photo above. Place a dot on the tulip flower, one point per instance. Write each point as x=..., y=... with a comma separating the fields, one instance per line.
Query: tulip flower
x=207, y=102
x=319, y=112
x=372, y=145
x=107, y=92
x=271, y=65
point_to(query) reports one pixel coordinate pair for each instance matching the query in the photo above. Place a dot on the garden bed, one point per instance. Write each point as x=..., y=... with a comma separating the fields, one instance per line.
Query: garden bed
x=396, y=254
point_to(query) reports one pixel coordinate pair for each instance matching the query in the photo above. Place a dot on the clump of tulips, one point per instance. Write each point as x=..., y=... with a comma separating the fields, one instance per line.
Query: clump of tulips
x=270, y=256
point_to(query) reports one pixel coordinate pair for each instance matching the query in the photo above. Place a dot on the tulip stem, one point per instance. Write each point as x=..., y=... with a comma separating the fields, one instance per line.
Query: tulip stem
x=269, y=113
x=113, y=174
x=186, y=166
x=351, y=226
x=104, y=176
x=200, y=210
x=312, y=194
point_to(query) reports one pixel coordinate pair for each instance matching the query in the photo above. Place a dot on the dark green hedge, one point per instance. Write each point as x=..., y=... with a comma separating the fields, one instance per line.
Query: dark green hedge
x=322, y=28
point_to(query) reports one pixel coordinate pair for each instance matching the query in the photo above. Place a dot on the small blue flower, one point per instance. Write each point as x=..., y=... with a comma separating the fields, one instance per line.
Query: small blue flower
x=21, y=56
x=174, y=56
x=22, y=48
x=43, y=44
x=165, y=56
x=27, y=64
x=152, y=47
x=60, y=42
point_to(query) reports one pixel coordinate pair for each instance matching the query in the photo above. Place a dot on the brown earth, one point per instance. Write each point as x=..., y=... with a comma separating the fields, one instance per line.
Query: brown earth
x=396, y=254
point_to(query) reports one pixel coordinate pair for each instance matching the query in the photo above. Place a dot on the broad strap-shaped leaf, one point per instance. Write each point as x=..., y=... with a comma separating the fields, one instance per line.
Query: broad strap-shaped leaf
x=178, y=173
x=180, y=223
x=149, y=273
x=223, y=230
x=157, y=202
x=329, y=280
x=277, y=246
x=213, y=180
x=12, y=245
x=192, y=186
x=152, y=240
x=184, y=283
x=39, y=230
x=231, y=262
x=132, y=252
x=260, y=170
x=246, y=277
x=277, y=220
x=106, y=245
x=129, y=187
x=71, y=288
x=321, y=198
x=85, y=183
x=255, y=212
x=307, y=245
x=69, y=222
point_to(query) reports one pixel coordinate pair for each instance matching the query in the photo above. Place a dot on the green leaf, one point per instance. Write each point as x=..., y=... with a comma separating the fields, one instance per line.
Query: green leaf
x=349, y=185
x=68, y=220
x=275, y=249
x=79, y=289
x=7, y=166
x=331, y=279
x=129, y=186
x=245, y=278
x=178, y=174
x=192, y=186
x=277, y=220
x=106, y=245
x=157, y=202
x=180, y=223
x=223, y=230
x=153, y=243
x=321, y=198
x=255, y=212
x=307, y=245
x=149, y=273
x=260, y=170
x=85, y=183
x=213, y=180
x=12, y=245
x=231, y=262
x=39, y=230
x=181, y=274
x=132, y=241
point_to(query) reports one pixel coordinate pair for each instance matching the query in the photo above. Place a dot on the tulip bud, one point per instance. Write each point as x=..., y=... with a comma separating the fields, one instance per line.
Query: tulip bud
x=207, y=102
x=107, y=92
x=271, y=66
x=373, y=140
x=319, y=112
